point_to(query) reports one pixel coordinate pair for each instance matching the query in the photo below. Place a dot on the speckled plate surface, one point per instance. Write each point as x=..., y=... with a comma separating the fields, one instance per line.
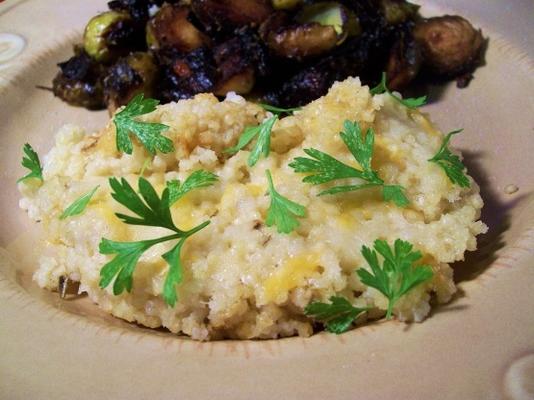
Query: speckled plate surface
x=480, y=346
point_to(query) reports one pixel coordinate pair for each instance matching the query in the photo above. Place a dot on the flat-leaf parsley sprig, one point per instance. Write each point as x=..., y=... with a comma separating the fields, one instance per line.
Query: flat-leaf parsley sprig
x=31, y=162
x=263, y=134
x=149, y=210
x=324, y=168
x=79, y=205
x=408, y=102
x=196, y=180
x=398, y=274
x=282, y=212
x=337, y=316
x=451, y=163
x=148, y=133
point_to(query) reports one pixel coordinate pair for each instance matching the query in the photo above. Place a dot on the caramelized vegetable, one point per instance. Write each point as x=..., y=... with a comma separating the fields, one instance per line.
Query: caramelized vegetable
x=129, y=76
x=450, y=44
x=183, y=76
x=106, y=31
x=404, y=62
x=398, y=11
x=229, y=14
x=285, y=4
x=303, y=40
x=171, y=27
x=79, y=82
x=331, y=14
x=238, y=61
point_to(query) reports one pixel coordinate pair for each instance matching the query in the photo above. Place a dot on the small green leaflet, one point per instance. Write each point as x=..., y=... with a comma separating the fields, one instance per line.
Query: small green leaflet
x=79, y=205
x=279, y=110
x=337, y=316
x=149, y=210
x=263, y=143
x=324, y=168
x=282, y=211
x=412, y=103
x=148, y=133
x=263, y=134
x=451, y=163
x=398, y=274
x=197, y=179
x=31, y=162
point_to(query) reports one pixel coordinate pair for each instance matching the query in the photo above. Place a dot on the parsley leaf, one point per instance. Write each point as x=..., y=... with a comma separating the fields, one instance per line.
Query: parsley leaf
x=148, y=133
x=79, y=205
x=31, y=162
x=282, y=211
x=156, y=211
x=412, y=103
x=263, y=134
x=451, y=163
x=197, y=179
x=325, y=168
x=398, y=275
x=337, y=316
x=279, y=110
x=263, y=143
x=151, y=210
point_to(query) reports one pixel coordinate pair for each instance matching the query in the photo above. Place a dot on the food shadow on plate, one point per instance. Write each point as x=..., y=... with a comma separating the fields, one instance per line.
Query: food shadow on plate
x=496, y=213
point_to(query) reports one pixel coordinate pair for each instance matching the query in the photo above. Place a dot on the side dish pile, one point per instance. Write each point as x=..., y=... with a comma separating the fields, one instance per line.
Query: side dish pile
x=230, y=219
x=285, y=52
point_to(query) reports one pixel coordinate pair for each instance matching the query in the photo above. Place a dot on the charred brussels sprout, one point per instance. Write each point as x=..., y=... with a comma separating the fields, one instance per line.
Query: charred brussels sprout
x=79, y=82
x=227, y=15
x=170, y=27
x=239, y=60
x=285, y=4
x=398, y=11
x=343, y=20
x=404, y=62
x=128, y=77
x=110, y=35
x=450, y=44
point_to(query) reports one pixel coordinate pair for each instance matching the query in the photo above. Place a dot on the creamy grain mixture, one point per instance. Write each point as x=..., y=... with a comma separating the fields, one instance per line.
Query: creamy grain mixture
x=243, y=279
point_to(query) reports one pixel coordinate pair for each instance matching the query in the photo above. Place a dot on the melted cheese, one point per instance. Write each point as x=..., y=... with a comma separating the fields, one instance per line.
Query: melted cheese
x=289, y=276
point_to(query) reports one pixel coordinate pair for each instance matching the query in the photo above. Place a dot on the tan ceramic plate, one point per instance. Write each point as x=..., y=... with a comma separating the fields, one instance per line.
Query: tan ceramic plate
x=480, y=346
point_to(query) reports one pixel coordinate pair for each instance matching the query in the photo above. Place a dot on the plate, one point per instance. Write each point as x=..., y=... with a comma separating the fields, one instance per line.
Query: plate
x=480, y=346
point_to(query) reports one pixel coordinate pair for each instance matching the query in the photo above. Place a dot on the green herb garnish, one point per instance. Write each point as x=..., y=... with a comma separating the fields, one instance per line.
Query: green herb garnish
x=150, y=210
x=31, y=162
x=148, y=133
x=398, y=274
x=408, y=102
x=325, y=168
x=79, y=205
x=197, y=179
x=262, y=132
x=279, y=110
x=451, y=163
x=282, y=211
x=337, y=316
x=263, y=143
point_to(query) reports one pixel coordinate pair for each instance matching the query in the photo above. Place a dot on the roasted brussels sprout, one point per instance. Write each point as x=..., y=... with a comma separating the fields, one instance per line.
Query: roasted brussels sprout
x=95, y=40
x=404, y=62
x=128, y=77
x=309, y=83
x=285, y=4
x=79, y=82
x=183, y=76
x=344, y=21
x=170, y=27
x=229, y=14
x=239, y=60
x=398, y=11
x=450, y=44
